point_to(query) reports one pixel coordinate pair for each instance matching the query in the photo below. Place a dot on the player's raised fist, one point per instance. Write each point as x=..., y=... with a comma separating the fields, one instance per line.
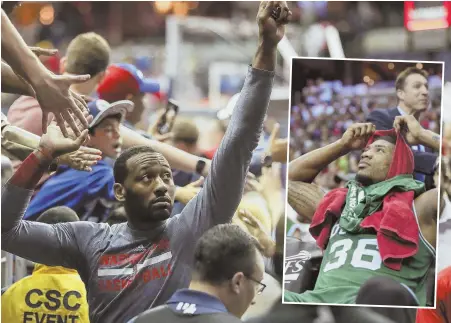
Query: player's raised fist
x=272, y=17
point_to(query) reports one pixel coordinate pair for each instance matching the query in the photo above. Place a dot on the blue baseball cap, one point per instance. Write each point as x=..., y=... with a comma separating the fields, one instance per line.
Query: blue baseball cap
x=101, y=109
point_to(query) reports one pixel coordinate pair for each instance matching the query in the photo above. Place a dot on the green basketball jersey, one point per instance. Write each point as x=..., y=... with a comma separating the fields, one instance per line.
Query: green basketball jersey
x=351, y=259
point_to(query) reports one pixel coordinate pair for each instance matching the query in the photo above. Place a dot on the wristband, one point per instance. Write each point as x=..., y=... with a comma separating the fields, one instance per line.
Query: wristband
x=267, y=161
x=29, y=173
x=46, y=153
x=200, y=166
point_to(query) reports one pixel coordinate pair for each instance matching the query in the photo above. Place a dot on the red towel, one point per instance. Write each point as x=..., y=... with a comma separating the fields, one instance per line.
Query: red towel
x=395, y=224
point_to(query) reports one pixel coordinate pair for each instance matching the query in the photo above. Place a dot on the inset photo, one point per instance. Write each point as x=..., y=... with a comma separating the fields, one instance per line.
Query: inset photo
x=363, y=179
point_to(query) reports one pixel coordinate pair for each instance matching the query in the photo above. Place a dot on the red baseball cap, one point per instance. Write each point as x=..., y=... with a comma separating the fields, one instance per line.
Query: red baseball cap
x=123, y=79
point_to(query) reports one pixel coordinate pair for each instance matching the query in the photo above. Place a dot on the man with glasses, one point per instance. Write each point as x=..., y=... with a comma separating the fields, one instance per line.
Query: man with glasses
x=227, y=273
x=90, y=194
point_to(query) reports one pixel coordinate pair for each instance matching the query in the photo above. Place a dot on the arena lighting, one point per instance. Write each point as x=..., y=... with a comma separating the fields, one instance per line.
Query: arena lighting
x=192, y=5
x=47, y=15
x=427, y=17
x=181, y=9
x=27, y=13
x=163, y=6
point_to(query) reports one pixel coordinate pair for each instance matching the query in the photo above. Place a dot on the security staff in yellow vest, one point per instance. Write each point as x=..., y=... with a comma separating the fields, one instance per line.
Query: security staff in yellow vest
x=50, y=294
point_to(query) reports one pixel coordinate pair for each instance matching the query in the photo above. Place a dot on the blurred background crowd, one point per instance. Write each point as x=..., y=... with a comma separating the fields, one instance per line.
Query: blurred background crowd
x=198, y=50
x=324, y=106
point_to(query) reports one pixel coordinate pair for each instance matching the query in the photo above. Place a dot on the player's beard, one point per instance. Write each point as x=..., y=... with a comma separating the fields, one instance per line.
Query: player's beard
x=139, y=211
x=364, y=180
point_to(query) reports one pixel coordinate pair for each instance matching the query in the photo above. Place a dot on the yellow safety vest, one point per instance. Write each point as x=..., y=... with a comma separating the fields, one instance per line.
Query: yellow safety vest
x=50, y=294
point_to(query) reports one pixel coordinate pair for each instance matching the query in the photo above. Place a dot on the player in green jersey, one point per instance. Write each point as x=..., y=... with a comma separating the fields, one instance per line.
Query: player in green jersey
x=351, y=261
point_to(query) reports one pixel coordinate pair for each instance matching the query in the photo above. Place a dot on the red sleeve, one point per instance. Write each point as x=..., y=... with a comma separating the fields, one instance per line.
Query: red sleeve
x=442, y=314
x=26, y=113
x=428, y=316
x=30, y=171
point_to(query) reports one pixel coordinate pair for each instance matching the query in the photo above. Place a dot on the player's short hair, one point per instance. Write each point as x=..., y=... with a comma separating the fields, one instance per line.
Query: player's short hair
x=390, y=139
x=401, y=79
x=58, y=214
x=120, y=166
x=223, y=251
x=88, y=53
x=185, y=131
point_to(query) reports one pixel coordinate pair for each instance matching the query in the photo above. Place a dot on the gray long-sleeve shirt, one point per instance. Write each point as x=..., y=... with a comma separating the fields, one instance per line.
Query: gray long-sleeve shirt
x=127, y=271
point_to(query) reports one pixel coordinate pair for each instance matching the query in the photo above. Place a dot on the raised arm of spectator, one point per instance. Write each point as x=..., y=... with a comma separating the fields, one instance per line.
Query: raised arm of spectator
x=218, y=199
x=424, y=161
x=21, y=143
x=54, y=245
x=417, y=135
x=178, y=159
x=17, y=54
x=11, y=83
x=52, y=91
x=271, y=190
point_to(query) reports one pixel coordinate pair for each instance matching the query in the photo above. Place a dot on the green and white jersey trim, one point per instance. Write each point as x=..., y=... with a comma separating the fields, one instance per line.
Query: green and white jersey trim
x=429, y=247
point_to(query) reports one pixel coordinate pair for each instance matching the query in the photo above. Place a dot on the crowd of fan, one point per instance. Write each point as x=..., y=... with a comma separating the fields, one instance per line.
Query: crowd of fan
x=323, y=115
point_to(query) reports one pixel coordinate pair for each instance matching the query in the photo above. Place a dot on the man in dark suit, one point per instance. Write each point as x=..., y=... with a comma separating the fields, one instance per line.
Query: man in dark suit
x=413, y=99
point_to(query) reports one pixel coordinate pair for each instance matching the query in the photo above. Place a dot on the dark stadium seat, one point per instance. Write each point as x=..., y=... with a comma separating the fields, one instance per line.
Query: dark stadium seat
x=302, y=263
